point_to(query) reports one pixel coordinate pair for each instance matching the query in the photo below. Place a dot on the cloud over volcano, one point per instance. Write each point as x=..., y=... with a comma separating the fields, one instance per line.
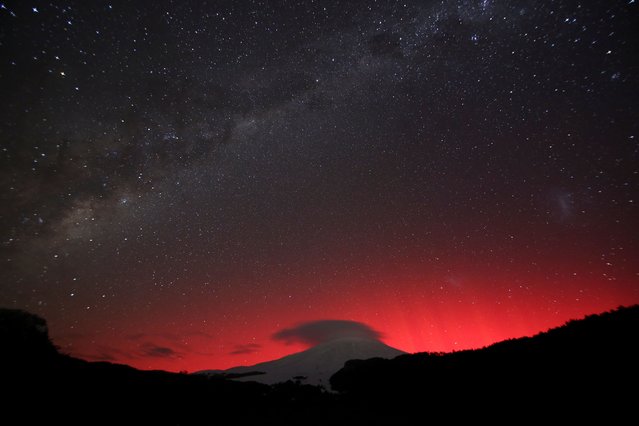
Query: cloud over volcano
x=317, y=332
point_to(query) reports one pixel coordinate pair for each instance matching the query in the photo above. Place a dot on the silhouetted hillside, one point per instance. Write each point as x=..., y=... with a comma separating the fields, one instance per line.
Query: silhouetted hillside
x=585, y=369
x=43, y=385
x=584, y=365
x=24, y=339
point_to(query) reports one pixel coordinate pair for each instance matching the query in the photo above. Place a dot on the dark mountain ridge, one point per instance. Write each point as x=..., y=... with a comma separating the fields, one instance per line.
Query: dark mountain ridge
x=584, y=365
x=586, y=369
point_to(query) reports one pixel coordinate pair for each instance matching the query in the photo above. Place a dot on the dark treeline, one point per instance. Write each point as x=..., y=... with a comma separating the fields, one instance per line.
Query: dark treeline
x=587, y=369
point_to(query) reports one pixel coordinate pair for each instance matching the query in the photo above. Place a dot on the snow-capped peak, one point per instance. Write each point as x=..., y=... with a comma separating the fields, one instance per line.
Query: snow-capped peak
x=315, y=365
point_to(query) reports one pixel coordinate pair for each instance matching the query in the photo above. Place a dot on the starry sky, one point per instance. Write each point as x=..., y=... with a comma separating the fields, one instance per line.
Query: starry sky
x=184, y=181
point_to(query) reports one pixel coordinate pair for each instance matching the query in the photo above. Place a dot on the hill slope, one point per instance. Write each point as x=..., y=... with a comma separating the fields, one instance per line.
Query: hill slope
x=584, y=370
x=583, y=365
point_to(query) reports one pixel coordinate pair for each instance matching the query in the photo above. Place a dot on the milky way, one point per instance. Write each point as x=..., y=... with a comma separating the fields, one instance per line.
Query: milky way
x=182, y=181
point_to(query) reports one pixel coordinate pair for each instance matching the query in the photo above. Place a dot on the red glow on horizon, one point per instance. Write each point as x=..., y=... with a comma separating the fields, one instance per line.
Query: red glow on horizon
x=453, y=317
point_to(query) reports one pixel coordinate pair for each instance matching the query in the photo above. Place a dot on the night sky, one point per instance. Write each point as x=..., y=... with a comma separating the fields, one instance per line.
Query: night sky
x=183, y=181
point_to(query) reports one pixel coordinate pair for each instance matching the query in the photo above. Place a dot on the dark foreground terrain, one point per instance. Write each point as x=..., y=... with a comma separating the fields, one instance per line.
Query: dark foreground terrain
x=586, y=369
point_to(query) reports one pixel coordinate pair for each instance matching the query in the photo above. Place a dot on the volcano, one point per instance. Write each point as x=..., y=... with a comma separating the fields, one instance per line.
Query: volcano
x=313, y=366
